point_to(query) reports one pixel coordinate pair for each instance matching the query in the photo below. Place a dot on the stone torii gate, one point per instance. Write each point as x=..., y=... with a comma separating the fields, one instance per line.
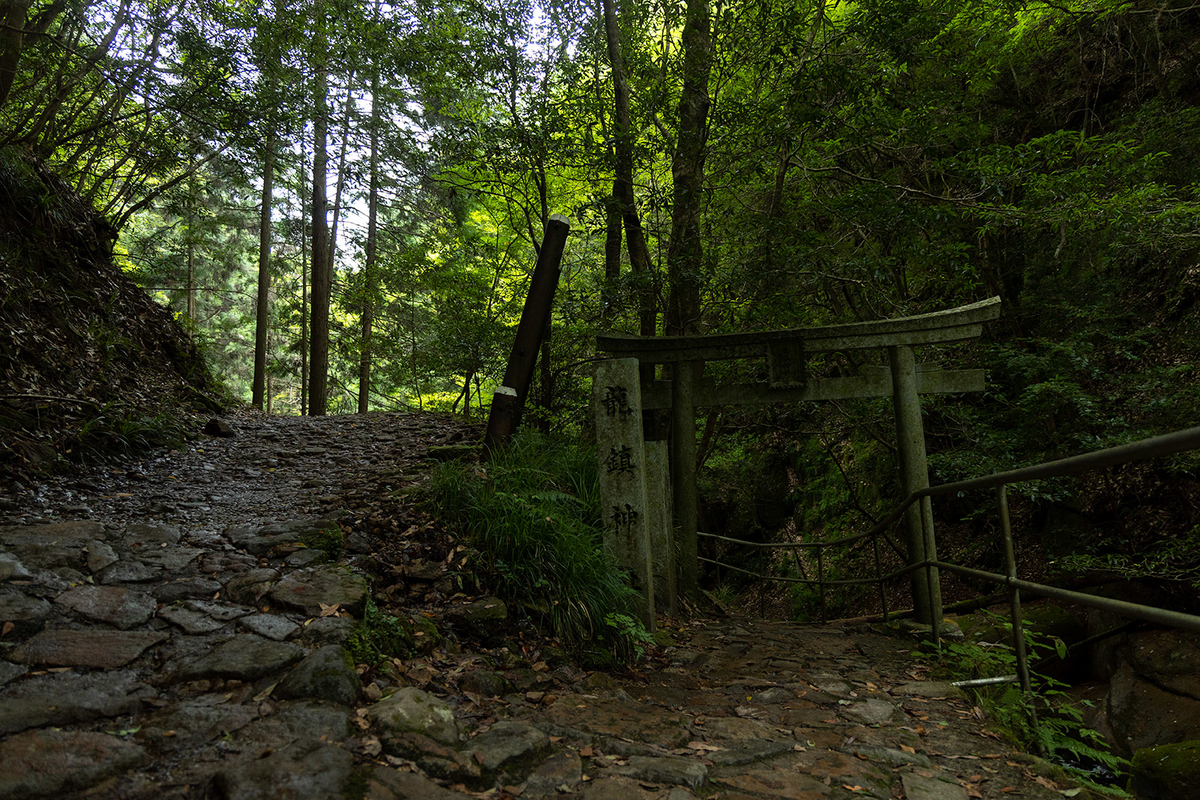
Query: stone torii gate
x=635, y=492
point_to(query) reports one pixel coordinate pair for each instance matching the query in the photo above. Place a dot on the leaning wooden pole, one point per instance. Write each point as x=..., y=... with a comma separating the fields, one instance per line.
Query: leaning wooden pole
x=509, y=399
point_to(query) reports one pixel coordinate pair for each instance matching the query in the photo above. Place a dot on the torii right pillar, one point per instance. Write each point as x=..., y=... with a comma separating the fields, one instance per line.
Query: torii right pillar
x=914, y=476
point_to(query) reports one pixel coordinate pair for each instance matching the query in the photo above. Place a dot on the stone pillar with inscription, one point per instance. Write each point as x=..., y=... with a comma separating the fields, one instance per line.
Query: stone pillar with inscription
x=620, y=448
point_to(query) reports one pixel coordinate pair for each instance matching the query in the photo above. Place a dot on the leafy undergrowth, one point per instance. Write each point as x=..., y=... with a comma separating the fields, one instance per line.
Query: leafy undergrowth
x=531, y=517
x=1046, y=721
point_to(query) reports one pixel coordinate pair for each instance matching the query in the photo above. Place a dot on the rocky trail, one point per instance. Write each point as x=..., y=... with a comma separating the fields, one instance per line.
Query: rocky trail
x=181, y=627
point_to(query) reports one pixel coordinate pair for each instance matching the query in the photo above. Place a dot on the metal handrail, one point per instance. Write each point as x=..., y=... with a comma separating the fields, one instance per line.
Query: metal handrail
x=1154, y=447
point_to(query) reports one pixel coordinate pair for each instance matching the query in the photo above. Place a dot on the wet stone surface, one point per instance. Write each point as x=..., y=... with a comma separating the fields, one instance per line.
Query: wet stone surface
x=179, y=628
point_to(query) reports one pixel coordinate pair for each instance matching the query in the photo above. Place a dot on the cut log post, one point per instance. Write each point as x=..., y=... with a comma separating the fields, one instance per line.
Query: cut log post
x=509, y=399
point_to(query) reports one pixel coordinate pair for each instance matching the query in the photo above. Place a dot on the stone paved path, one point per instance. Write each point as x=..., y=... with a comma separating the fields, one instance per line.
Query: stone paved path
x=189, y=641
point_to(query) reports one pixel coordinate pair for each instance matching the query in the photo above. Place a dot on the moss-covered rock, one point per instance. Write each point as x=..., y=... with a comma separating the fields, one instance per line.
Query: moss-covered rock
x=1165, y=772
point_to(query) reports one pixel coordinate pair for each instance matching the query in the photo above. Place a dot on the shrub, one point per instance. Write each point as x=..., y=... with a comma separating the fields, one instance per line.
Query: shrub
x=532, y=517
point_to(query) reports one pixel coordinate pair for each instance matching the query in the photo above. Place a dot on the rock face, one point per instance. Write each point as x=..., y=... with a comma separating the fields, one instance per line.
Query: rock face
x=1166, y=772
x=1153, y=696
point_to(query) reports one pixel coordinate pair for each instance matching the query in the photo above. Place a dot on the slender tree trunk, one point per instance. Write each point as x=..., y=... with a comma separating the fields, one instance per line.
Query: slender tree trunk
x=12, y=35
x=368, y=310
x=322, y=274
x=685, y=254
x=191, y=267
x=635, y=238
x=64, y=88
x=262, y=309
x=612, y=254
x=303, y=298
x=341, y=174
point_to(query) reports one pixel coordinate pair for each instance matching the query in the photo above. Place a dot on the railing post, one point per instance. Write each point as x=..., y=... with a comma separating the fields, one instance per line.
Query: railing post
x=1014, y=601
x=879, y=576
x=821, y=580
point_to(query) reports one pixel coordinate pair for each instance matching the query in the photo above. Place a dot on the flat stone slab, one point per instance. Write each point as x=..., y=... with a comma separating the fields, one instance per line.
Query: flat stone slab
x=27, y=614
x=85, y=648
x=311, y=590
x=245, y=657
x=10, y=672
x=194, y=723
x=294, y=720
x=507, y=742
x=768, y=782
x=259, y=541
x=392, y=784
x=113, y=605
x=325, y=674
x=11, y=568
x=100, y=555
x=69, y=697
x=189, y=588
x=271, y=626
x=189, y=621
x=51, y=546
x=130, y=572
x=665, y=769
x=930, y=690
x=871, y=711
x=563, y=770
x=223, y=612
x=619, y=718
x=737, y=753
x=171, y=558
x=411, y=710
x=919, y=787
x=310, y=768
x=49, y=763
x=249, y=587
x=150, y=534
x=887, y=755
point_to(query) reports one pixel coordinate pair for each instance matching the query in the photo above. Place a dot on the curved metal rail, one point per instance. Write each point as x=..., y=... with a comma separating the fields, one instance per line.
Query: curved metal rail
x=1155, y=447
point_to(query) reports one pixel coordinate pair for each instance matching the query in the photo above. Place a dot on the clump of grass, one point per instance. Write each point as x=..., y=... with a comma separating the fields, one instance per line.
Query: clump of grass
x=532, y=516
x=329, y=540
x=379, y=636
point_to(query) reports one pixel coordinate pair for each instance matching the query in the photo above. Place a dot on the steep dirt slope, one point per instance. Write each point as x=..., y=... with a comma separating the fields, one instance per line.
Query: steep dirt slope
x=88, y=362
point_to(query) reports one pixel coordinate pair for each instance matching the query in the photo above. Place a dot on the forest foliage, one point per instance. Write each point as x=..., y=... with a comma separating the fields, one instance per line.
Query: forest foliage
x=771, y=164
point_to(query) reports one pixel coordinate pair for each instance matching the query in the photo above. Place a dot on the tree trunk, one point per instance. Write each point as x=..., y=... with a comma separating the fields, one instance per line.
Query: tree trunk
x=635, y=238
x=341, y=173
x=612, y=254
x=322, y=274
x=685, y=254
x=12, y=36
x=262, y=309
x=368, y=310
x=303, y=298
x=191, y=268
